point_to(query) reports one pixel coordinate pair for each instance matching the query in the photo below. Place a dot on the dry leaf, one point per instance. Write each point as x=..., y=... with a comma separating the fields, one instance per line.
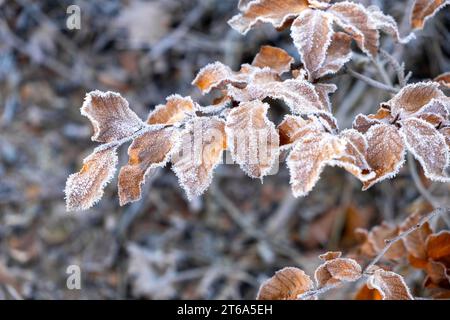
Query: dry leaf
x=286, y=284
x=110, y=115
x=385, y=153
x=311, y=153
x=365, y=293
x=85, y=188
x=338, y=53
x=202, y=143
x=147, y=152
x=428, y=146
x=175, y=110
x=324, y=90
x=312, y=32
x=354, y=19
x=337, y=270
x=252, y=138
x=443, y=79
x=425, y=9
x=330, y=255
x=390, y=285
x=438, y=247
x=276, y=12
x=415, y=242
x=293, y=128
x=275, y=58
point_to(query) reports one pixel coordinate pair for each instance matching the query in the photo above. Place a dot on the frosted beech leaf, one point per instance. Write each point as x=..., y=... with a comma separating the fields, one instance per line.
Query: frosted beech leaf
x=444, y=79
x=362, y=123
x=438, y=247
x=378, y=236
x=435, y=112
x=428, y=147
x=387, y=24
x=324, y=90
x=437, y=275
x=275, y=58
x=354, y=159
x=85, y=188
x=201, y=146
x=415, y=242
x=319, y=4
x=295, y=127
x=365, y=293
x=337, y=270
x=445, y=131
x=385, y=153
x=286, y=284
x=413, y=97
x=311, y=153
x=312, y=32
x=110, y=115
x=354, y=19
x=330, y=255
x=175, y=110
x=252, y=138
x=147, y=152
x=390, y=285
x=328, y=121
x=276, y=12
x=212, y=76
x=425, y=9
x=338, y=53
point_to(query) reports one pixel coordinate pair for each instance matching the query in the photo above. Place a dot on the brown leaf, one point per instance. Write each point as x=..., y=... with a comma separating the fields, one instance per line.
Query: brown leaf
x=275, y=58
x=85, y=188
x=215, y=75
x=390, y=285
x=428, y=147
x=385, y=153
x=295, y=127
x=443, y=79
x=438, y=247
x=286, y=284
x=425, y=9
x=354, y=159
x=334, y=271
x=338, y=53
x=276, y=12
x=200, y=150
x=365, y=293
x=147, y=152
x=252, y=138
x=110, y=115
x=438, y=275
x=415, y=242
x=175, y=110
x=324, y=90
x=312, y=32
x=330, y=255
x=311, y=153
x=413, y=97
x=354, y=19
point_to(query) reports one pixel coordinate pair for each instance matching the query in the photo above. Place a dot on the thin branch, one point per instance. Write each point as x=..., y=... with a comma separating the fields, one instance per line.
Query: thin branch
x=398, y=68
x=371, y=82
x=402, y=235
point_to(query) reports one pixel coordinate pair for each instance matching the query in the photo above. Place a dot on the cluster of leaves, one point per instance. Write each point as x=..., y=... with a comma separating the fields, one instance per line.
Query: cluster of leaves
x=413, y=238
x=193, y=137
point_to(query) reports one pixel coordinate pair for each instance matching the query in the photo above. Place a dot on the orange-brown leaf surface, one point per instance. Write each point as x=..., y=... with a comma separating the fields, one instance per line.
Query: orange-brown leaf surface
x=443, y=79
x=390, y=285
x=337, y=270
x=110, y=115
x=286, y=284
x=175, y=110
x=275, y=58
x=252, y=138
x=85, y=188
x=425, y=9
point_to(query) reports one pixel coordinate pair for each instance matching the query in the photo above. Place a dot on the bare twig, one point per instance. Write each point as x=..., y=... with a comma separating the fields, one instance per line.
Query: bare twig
x=371, y=82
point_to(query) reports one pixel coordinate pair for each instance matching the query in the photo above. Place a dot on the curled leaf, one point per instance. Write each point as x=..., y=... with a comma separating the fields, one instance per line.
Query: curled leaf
x=337, y=270
x=312, y=32
x=390, y=285
x=275, y=58
x=85, y=188
x=425, y=9
x=147, y=152
x=175, y=110
x=428, y=146
x=110, y=115
x=415, y=242
x=438, y=247
x=287, y=284
x=443, y=79
x=252, y=138
x=276, y=12
x=200, y=150
x=311, y=153
x=385, y=153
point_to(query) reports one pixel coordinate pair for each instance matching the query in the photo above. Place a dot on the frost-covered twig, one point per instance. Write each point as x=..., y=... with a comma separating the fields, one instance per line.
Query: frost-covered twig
x=371, y=82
